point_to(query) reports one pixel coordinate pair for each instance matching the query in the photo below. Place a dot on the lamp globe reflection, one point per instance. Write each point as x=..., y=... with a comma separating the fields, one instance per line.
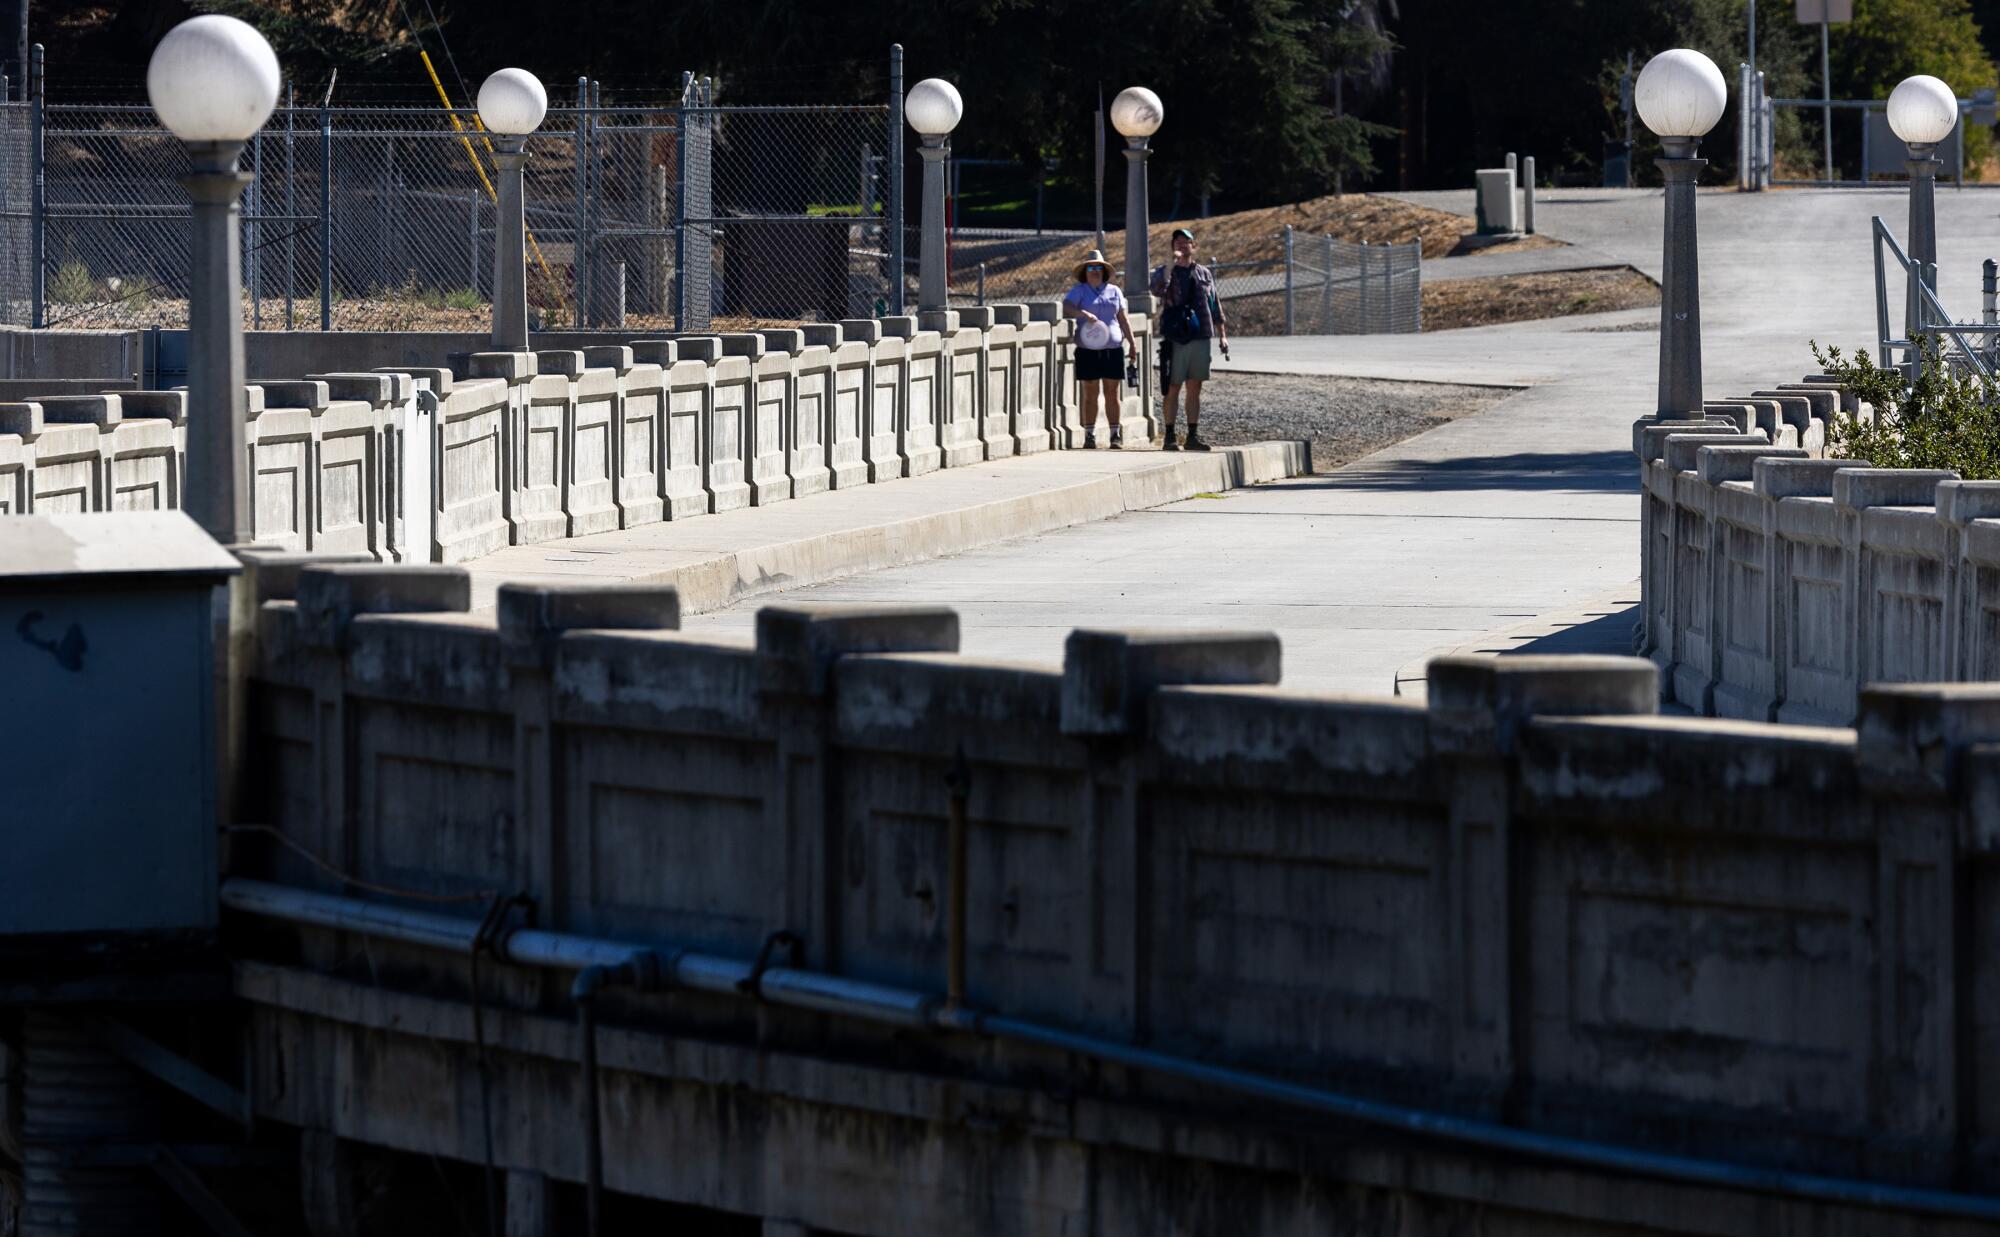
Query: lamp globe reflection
x=512, y=101
x=1680, y=93
x=213, y=79
x=933, y=107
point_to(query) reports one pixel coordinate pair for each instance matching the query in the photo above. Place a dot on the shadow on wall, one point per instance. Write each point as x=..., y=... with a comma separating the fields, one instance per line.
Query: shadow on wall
x=1607, y=472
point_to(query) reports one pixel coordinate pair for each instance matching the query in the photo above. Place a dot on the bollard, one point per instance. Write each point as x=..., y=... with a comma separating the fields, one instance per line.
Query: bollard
x=1528, y=195
x=1288, y=280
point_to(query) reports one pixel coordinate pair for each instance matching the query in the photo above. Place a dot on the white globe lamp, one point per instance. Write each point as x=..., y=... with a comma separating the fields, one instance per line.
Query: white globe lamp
x=1680, y=93
x=933, y=107
x=1922, y=110
x=512, y=102
x=213, y=79
x=1137, y=112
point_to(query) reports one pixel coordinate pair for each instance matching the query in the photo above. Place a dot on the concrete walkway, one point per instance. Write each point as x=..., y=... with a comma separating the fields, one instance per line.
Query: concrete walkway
x=720, y=559
x=1525, y=513
x=1519, y=262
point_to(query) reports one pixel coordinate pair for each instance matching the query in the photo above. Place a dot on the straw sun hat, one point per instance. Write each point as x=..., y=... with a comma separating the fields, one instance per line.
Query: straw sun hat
x=1094, y=258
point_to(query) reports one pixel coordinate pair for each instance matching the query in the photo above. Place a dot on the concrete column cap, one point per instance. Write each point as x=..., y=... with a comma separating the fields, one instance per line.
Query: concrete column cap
x=1909, y=735
x=375, y=388
x=798, y=644
x=515, y=367
x=1961, y=502
x=900, y=326
x=742, y=343
x=533, y=616
x=860, y=330
x=1724, y=462
x=943, y=321
x=609, y=356
x=292, y=393
x=1109, y=677
x=784, y=339
x=661, y=352
x=1682, y=451
x=1478, y=703
x=99, y=410
x=330, y=596
x=273, y=573
x=565, y=361
x=439, y=379
x=820, y=334
x=1856, y=488
x=1785, y=477
x=156, y=405
x=704, y=348
x=22, y=418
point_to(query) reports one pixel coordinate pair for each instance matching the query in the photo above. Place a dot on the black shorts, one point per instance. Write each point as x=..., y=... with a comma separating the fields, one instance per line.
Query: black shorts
x=1100, y=364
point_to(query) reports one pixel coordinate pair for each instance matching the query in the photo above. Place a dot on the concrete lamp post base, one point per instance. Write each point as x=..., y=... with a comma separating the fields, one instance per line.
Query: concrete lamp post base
x=218, y=496
x=1923, y=164
x=1680, y=304
x=933, y=291
x=510, y=254
x=1138, y=263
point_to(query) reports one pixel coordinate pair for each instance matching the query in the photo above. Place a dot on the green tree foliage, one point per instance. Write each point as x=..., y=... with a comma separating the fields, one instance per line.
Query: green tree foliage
x=1945, y=419
x=1891, y=39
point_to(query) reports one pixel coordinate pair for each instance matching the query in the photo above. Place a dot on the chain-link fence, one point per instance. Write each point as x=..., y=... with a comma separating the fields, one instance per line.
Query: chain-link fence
x=682, y=216
x=1336, y=287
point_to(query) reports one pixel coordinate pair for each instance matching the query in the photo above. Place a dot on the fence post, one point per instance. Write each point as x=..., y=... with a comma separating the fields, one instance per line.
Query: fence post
x=291, y=205
x=896, y=258
x=472, y=271
x=982, y=284
x=1528, y=194
x=39, y=204
x=1361, y=315
x=681, y=139
x=1326, y=286
x=326, y=216
x=254, y=258
x=1288, y=279
x=579, y=262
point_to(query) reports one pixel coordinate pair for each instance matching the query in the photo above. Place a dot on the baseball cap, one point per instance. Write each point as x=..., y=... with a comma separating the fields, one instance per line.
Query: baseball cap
x=1183, y=232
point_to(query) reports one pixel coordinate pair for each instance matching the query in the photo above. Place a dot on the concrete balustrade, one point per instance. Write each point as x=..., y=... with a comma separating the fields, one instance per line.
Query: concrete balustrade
x=1778, y=585
x=1528, y=899
x=407, y=463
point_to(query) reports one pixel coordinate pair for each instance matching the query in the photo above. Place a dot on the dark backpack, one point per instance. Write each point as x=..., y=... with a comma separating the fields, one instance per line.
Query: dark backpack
x=1180, y=324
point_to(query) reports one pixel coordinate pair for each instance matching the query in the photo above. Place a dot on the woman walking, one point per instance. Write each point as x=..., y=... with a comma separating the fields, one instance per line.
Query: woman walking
x=1103, y=337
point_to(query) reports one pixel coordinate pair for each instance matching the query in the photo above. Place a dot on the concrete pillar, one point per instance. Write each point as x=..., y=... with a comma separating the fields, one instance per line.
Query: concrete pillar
x=1680, y=306
x=1477, y=708
x=532, y=619
x=510, y=250
x=219, y=491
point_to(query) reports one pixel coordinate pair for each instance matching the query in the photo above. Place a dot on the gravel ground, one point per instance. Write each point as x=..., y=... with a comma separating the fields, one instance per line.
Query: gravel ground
x=1345, y=418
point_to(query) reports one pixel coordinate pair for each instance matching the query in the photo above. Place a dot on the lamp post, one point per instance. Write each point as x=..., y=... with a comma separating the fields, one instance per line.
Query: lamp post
x=1680, y=95
x=933, y=109
x=1136, y=113
x=1922, y=113
x=214, y=80
x=511, y=106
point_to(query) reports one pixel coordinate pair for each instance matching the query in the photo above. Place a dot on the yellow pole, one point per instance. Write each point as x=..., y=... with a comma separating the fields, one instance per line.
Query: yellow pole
x=473, y=155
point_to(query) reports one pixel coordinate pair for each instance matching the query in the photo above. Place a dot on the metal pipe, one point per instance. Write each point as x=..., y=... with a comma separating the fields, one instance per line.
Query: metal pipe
x=958, y=783
x=903, y=1007
x=897, y=239
x=1288, y=281
x=326, y=216
x=38, y=202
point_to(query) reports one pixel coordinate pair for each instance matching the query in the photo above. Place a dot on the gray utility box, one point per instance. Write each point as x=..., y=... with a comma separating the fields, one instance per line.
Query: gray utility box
x=108, y=803
x=1497, y=207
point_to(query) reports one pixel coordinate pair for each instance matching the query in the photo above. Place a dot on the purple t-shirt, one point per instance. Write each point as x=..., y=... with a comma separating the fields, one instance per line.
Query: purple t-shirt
x=1103, y=302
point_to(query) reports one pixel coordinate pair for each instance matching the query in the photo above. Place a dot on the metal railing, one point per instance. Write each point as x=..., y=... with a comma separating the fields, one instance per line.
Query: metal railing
x=679, y=215
x=1924, y=316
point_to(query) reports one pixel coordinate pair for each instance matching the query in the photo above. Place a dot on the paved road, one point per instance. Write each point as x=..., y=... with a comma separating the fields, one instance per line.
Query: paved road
x=1525, y=511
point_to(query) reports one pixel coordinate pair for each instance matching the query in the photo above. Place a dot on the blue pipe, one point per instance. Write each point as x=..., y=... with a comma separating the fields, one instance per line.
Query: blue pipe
x=803, y=989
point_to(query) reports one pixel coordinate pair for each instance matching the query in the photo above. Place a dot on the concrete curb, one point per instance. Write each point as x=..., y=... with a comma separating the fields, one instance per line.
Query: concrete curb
x=725, y=577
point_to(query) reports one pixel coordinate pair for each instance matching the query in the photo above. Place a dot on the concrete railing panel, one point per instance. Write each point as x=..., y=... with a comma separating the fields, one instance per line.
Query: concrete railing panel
x=726, y=459
x=894, y=426
x=640, y=442
x=469, y=465
x=999, y=392
x=853, y=383
x=811, y=411
x=958, y=426
x=772, y=425
x=690, y=388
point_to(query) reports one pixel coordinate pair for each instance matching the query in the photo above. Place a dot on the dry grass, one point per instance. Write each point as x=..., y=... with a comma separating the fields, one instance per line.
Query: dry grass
x=1257, y=237
x=1487, y=302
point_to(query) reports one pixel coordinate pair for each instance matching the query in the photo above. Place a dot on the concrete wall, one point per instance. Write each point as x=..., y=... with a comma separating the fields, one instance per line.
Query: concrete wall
x=1777, y=583
x=1530, y=899
x=451, y=460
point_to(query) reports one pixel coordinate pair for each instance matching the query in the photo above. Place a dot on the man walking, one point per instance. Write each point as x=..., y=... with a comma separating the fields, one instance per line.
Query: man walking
x=1190, y=316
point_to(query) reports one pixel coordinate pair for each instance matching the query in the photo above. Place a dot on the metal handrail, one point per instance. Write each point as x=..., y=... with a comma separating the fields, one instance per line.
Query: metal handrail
x=1922, y=307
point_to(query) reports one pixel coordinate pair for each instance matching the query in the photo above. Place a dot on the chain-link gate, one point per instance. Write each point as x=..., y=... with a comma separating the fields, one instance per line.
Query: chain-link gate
x=1337, y=287
x=689, y=216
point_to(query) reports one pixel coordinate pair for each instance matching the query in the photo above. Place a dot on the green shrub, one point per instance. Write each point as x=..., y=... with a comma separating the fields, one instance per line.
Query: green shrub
x=463, y=298
x=73, y=284
x=1946, y=419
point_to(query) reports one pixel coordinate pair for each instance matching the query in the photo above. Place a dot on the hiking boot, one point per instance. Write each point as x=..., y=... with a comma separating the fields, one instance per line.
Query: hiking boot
x=1117, y=438
x=1167, y=442
x=1194, y=442
x=1090, y=440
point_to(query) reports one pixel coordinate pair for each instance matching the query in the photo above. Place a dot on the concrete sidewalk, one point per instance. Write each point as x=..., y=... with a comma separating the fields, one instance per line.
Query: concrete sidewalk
x=716, y=560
